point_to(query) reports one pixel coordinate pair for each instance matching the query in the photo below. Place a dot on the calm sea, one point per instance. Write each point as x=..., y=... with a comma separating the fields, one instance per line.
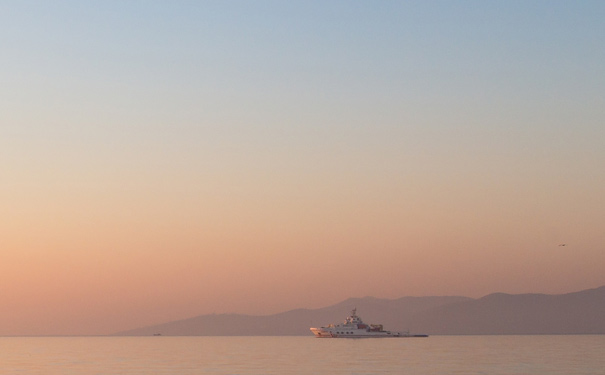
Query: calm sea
x=549, y=355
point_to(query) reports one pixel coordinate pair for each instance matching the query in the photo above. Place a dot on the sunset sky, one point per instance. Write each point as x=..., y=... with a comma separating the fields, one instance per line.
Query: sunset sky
x=166, y=159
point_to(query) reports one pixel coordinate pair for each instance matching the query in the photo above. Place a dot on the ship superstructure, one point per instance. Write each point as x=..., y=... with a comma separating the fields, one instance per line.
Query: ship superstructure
x=354, y=327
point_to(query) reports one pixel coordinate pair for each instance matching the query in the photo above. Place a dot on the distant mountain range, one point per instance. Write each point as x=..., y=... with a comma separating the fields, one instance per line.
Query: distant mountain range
x=499, y=313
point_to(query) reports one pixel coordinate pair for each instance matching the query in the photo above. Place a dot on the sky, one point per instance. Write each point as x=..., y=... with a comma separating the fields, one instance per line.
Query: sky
x=162, y=160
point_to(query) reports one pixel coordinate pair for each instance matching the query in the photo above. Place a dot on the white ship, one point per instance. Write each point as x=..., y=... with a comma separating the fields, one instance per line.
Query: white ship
x=354, y=327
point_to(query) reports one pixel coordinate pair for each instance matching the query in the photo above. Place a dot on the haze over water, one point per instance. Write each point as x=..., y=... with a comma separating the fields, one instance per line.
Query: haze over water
x=162, y=160
x=469, y=355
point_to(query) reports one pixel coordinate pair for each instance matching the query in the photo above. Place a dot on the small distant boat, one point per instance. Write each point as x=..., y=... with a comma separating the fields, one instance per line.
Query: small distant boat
x=157, y=334
x=354, y=327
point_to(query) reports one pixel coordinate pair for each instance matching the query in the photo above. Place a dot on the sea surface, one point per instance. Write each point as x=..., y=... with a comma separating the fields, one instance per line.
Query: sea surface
x=468, y=355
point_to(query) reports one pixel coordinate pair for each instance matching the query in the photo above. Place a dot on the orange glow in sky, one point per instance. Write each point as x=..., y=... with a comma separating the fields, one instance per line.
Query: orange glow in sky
x=162, y=161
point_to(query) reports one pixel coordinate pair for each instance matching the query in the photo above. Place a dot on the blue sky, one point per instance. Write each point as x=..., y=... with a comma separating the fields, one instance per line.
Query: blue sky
x=203, y=137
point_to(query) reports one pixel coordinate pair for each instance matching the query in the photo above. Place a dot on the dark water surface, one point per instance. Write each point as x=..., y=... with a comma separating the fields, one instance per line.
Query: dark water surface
x=548, y=355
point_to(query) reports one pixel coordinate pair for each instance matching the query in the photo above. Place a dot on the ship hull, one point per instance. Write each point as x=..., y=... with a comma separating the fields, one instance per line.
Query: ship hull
x=353, y=334
x=354, y=328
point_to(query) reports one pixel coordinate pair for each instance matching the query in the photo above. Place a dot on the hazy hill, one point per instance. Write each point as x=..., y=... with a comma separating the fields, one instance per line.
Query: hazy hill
x=393, y=314
x=499, y=313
